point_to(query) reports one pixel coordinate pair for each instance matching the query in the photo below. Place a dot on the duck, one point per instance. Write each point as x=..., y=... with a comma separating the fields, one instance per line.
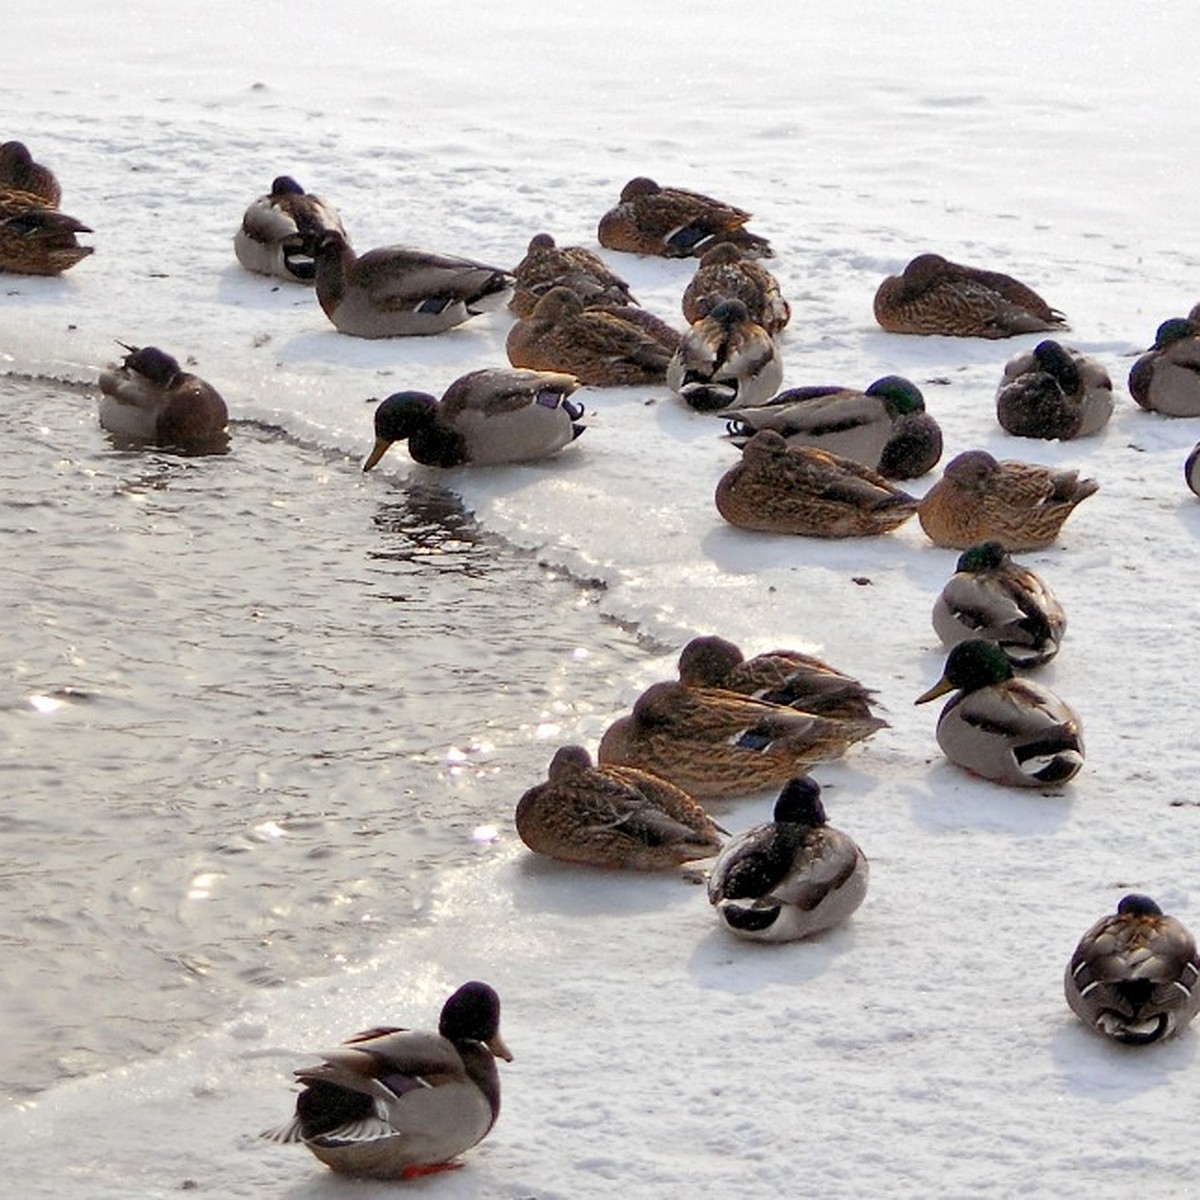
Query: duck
x=547, y=265
x=1134, y=975
x=725, y=361
x=485, y=417
x=727, y=272
x=602, y=347
x=20, y=172
x=36, y=240
x=613, y=816
x=935, y=296
x=1191, y=470
x=777, y=488
x=673, y=222
x=791, y=877
x=279, y=232
x=884, y=427
x=397, y=291
x=990, y=596
x=150, y=399
x=394, y=1103
x=787, y=677
x=1166, y=378
x=1001, y=727
x=1020, y=505
x=1053, y=392
x=714, y=743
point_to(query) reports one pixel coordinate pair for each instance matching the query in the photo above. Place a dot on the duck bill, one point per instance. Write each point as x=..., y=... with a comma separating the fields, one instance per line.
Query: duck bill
x=498, y=1048
x=940, y=688
x=379, y=450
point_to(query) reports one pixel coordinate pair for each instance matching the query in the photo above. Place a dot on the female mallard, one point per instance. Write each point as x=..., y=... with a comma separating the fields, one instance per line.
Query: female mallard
x=1021, y=505
x=1133, y=976
x=279, y=232
x=1005, y=729
x=936, y=296
x=19, y=172
x=779, y=677
x=714, y=743
x=727, y=272
x=674, y=223
x=485, y=417
x=792, y=877
x=885, y=428
x=991, y=597
x=396, y=291
x=38, y=241
x=1166, y=379
x=149, y=398
x=399, y=1103
x=547, y=265
x=1053, y=392
x=778, y=488
x=602, y=347
x=725, y=361
x=612, y=816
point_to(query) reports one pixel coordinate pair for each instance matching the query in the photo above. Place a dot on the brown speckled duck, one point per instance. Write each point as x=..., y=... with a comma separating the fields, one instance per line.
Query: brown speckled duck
x=613, y=816
x=396, y=291
x=1000, y=727
x=725, y=361
x=547, y=265
x=935, y=296
x=279, y=232
x=401, y=1103
x=1052, y=392
x=1166, y=379
x=792, y=877
x=1135, y=975
x=778, y=488
x=19, y=172
x=1020, y=505
x=602, y=347
x=779, y=676
x=674, y=223
x=150, y=399
x=38, y=241
x=727, y=272
x=714, y=743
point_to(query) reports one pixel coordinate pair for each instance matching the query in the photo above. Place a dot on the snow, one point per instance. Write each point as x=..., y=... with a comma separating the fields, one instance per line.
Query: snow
x=924, y=1048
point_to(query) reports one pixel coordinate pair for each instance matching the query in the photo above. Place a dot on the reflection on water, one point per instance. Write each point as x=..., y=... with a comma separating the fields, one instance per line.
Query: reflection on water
x=249, y=706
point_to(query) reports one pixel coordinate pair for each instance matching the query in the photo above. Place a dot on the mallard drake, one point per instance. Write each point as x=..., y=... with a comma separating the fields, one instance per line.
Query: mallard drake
x=714, y=743
x=399, y=1103
x=991, y=597
x=1133, y=976
x=885, y=428
x=150, y=398
x=38, y=241
x=780, y=677
x=1009, y=730
x=1051, y=392
x=1020, y=505
x=396, y=291
x=602, y=347
x=936, y=296
x=1166, y=379
x=792, y=877
x=547, y=265
x=485, y=417
x=279, y=232
x=778, y=488
x=19, y=172
x=674, y=223
x=612, y=816
x=727, y=272
x=725, y=361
